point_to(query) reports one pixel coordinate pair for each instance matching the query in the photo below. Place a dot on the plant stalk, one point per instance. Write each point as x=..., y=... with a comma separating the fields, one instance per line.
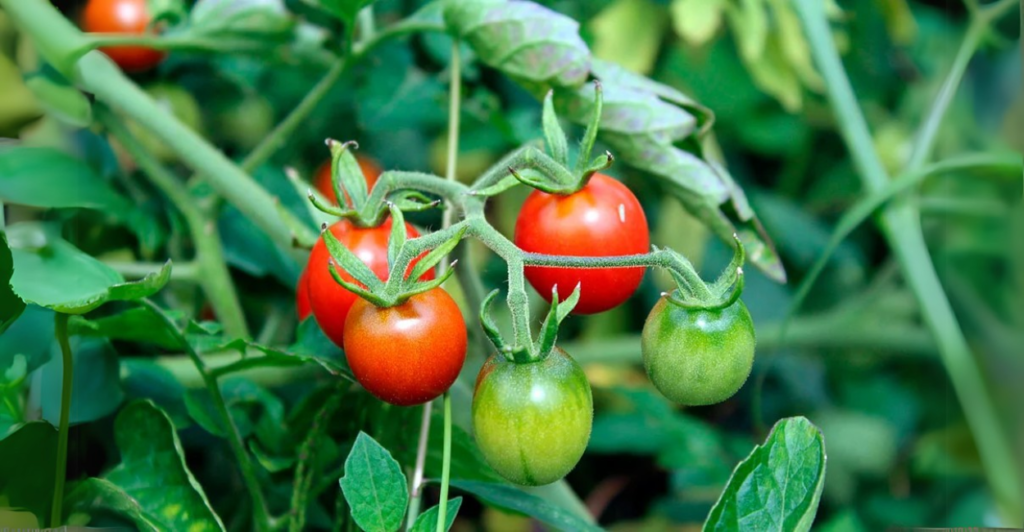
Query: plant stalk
x=67, y=378
x=446, y=464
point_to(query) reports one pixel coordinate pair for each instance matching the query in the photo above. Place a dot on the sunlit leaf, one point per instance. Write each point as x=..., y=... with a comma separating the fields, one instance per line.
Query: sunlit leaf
x=374, y=486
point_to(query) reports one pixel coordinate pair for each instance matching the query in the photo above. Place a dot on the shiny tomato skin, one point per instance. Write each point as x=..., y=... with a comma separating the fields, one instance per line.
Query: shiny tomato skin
x=532, y=420
x=603, y=218
x=329, y=301
x=410, y=353
x=122, y=16
x=322, y=180
x=302, y=304
x=698, y=357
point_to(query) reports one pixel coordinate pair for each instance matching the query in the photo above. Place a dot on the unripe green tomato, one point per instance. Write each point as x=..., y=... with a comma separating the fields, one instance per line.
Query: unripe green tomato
x=532, y=420
x=176, y=101
x=244, y=122
x=698, y=357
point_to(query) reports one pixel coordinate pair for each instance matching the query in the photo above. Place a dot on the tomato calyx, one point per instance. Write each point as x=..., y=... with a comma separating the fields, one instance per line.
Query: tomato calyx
x=563, y=180
x=403, y=281
x=357, y=203
x=693, y=293
x=544, y=344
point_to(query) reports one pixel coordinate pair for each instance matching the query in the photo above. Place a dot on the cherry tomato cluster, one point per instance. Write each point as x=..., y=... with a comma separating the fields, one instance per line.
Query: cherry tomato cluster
x=532, y=415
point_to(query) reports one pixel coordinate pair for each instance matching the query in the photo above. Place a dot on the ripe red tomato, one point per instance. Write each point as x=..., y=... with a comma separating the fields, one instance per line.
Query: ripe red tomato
x=322, y=181
x=302, y=305
x=410, y=353
x=602, y=219
x=122, y=16
x=328, y=299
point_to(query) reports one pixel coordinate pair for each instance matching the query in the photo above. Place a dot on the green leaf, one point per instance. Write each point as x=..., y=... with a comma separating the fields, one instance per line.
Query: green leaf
x=346, y=10
x=427, y=521
x=265, y=19
x=240, y=395
x=374, y=486
x=524, y=40
x=145, y=379
x=96, y=392
x=778, y=486
x=11, y=306
x=152, y=485
x=137, y=324
x=31, y=336
x=697, y=20
x=27, y=470
x=516, y=500
x=59, y=276
x=60, y=99
x=629, y=33
x=51, y=179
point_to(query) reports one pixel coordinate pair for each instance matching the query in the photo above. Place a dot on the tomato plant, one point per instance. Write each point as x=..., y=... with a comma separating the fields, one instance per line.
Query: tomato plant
x=410, y=353
x=698, y=356
x=122, y=16
x=532, y=420
x=153, y=227
x=603, y=218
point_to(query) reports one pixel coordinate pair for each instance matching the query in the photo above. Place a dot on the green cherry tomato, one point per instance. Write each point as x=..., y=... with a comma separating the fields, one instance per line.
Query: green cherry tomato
x=532, y=420
x=698, y=357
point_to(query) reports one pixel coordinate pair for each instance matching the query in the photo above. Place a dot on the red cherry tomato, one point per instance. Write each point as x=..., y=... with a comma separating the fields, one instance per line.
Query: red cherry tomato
x=302, y=305
x=322, y=181
x=602, y=219
x=122, y=16
x=328, y=299
x=410, y=353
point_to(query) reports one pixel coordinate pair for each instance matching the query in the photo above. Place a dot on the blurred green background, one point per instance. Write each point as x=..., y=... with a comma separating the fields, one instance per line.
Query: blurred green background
x=857, y=361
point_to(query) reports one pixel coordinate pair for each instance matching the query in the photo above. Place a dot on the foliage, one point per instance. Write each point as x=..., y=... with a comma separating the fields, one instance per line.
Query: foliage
x=155, y=224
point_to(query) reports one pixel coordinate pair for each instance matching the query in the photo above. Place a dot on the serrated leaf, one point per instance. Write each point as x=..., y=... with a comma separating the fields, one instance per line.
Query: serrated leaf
x=512, y=498
x=137, y=324
x=239, y=395
x=61, y=277
x=523, y=39
x=629, y=111
x=778, y=486
x=152, y=485
x=374, y=486
x=697, y=20
x=11, y=306
x=427, y=521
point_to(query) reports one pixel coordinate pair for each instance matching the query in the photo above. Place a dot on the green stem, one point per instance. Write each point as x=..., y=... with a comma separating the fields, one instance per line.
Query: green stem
x=212, y=269
x=261, y=513
x=901, y=226
x=446, y=464
x=304, y=471
x=177, y=42
x=182, y=271
x=416, y=499
x=67, y=377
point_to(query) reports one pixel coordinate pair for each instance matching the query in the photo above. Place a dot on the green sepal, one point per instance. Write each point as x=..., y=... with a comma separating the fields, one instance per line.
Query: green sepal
x=487, y=323
x=396, y=240
x=302, y=187
x=321, y=205
x=590, y=136
x=356, y=289
x=549, y=329
x=733, y=273
x=601, y=162
x=414, y=201
x=554, y=135
x=346, y=175
x=435, y=255
x=349, y=262
x=426, y=286
x=504, y=184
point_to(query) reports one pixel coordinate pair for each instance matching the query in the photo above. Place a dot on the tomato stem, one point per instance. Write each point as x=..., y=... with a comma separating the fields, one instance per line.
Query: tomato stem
x=67, y=377
x=446, y=464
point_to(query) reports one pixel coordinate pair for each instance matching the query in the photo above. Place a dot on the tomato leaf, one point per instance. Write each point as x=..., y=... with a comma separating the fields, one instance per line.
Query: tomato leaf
x=374, y=486
x=96, y=392
x=524, y=40
x=427, y=521
x=51, y=179
x=61, y=99
x=26, y=472
x=512, y=498
x=778, y=485
x=11, y=306
x=240, y=395
x=54, y=274
x=145, y=379
x=152, y=486
x=137, y=324
x=266, y=19
x=346, y=10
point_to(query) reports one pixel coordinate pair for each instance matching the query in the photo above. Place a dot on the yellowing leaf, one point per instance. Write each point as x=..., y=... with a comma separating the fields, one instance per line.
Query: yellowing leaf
x=773, y=75
x=629, y=32
x=749, y=23
x=696, y=21
x=793, y=44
